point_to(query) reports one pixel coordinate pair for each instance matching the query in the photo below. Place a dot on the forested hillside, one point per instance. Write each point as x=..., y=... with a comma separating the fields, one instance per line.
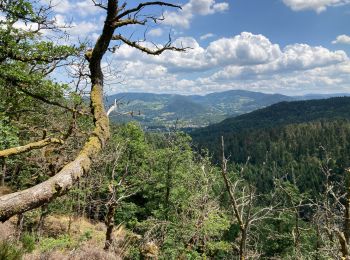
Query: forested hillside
x=75, y=185
x=284, y=138
x=280, y=114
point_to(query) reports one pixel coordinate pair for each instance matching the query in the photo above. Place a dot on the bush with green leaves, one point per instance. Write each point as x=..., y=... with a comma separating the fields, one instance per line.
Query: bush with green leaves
x=9, y=251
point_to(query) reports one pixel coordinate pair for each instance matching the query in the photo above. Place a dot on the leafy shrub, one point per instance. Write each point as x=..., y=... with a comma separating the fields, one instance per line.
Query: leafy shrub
x=60, y=243
x=86, y=236
x=8, y=251
x=28, y=242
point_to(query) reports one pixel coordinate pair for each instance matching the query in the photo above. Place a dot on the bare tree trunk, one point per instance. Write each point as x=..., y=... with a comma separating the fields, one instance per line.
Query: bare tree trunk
x=343, y=245
x=19, y=225
x=347, y=211
x=97, y=212
x=43, y=214
x=242, y=244
x=296, y=232
x=70, y=221
x=3, y=173
x=235, y=207
x=110, y=225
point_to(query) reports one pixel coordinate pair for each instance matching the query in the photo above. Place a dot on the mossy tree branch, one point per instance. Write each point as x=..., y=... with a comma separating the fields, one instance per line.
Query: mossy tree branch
x=28, y=147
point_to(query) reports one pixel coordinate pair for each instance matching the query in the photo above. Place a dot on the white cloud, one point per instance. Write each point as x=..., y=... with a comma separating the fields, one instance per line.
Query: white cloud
x=205, y=7
x=246, y=61
x=342, y=39
x=206, y=36
x=315, y=5
x=183, y=17
x=87, y=7
x=246, y=48
x=156, y=32
x=242, y=54
x=293, y=58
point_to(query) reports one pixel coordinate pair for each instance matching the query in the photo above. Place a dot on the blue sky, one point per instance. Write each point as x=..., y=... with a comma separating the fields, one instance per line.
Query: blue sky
x=276, y=46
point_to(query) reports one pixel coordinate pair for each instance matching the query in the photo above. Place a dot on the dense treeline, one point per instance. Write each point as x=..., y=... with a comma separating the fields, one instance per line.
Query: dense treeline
x=297, y=149
x=288, y=138
x=280, y=114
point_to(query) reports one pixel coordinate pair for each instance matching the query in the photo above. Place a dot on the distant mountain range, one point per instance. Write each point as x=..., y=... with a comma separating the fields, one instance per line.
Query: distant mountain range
x=166, y=110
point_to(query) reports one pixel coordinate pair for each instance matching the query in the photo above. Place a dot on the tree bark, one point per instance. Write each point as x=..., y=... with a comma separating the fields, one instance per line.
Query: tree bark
x=242, y=244
x=110, y=225
x=3, y=173
x=343, y=245
x=29, y=147
x=44, y=212
x=19, y=225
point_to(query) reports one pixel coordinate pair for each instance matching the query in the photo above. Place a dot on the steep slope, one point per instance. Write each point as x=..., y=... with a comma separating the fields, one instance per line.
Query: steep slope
x=253, y=134
x=282, y=113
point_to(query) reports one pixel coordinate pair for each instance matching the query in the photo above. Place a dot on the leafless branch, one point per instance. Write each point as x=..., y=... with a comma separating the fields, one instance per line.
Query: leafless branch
x=157, y=51
x=142, y=5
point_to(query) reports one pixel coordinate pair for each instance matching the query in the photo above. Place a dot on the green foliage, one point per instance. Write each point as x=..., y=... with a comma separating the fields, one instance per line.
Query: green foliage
x=86, y=236
x=8, y=134
x=8, y=251
x=59, y=243
x=28, y=242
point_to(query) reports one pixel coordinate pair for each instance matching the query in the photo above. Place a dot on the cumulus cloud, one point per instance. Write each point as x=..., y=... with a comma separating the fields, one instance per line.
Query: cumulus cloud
x=293, y=58
x=243, y=61
x=206, y=36
x=243, y=49
x=86, y=7
x=342, y=39
x=315, y=5
x=183, y=17
x=245, y=53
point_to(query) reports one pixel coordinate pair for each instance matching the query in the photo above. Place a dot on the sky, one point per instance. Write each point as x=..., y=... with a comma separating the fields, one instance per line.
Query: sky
x=291, y=47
